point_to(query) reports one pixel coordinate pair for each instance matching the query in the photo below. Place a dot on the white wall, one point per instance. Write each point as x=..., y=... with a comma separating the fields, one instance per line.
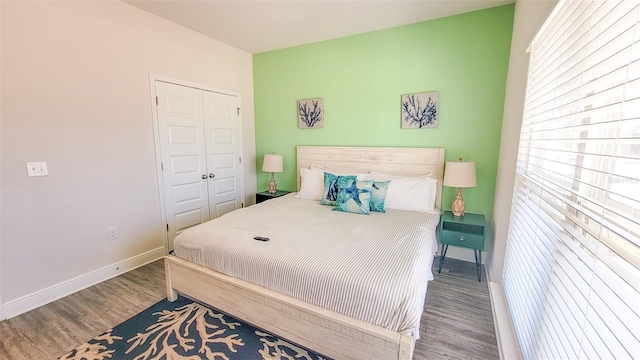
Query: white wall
x=1, y=312
x=75, y=81
x=529, y=16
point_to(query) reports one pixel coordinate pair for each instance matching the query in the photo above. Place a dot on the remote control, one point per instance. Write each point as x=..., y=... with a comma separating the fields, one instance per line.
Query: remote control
x=261, y=238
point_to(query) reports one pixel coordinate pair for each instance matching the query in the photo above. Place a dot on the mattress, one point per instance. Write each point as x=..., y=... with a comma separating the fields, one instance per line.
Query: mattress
x=374, y=268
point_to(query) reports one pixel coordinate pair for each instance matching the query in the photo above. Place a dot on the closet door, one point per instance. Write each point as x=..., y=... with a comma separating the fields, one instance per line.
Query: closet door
x=183, y=153
x=200, y=150
x=223, y=147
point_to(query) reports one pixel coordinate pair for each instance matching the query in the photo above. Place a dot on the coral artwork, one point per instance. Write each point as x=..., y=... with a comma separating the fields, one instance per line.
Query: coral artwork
x=179, y=324
x=94, y=350
x=187, y=330
x=311, y=114
x=420, y=111
x=278, y=349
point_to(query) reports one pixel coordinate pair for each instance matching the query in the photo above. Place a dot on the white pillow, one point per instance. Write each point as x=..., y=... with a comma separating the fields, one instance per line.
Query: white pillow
x=311, y=184
x=359, y=177
x=378, y=176
x=411, y=193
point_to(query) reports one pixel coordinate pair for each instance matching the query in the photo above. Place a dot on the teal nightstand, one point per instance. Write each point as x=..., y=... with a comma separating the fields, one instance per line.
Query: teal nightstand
x=466, y=231
x=264, y=195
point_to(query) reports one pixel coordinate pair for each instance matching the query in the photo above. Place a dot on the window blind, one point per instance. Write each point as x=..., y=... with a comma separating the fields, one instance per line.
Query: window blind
x=572, y=268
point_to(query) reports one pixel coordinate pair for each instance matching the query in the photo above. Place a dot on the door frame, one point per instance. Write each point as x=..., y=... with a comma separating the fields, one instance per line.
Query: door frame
x=153, y=78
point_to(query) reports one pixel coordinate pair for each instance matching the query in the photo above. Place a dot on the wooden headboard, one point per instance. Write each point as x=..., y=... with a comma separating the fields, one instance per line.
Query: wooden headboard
x=361, y=160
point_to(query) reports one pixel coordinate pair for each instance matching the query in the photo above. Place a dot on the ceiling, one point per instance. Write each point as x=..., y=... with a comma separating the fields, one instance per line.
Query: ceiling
x=263, y=25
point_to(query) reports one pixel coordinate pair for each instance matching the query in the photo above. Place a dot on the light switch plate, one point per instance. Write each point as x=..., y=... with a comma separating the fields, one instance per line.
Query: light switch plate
x=37, y=169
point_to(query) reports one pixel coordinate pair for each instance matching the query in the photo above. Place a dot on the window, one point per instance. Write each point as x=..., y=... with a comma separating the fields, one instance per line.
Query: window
x=572, y=268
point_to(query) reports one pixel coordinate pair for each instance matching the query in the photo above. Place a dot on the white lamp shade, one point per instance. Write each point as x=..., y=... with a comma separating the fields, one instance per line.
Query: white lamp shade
x=272, y=163
x=460, y=174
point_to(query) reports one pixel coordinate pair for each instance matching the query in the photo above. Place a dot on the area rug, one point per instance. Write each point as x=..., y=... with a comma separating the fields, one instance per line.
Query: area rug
x=186, y=329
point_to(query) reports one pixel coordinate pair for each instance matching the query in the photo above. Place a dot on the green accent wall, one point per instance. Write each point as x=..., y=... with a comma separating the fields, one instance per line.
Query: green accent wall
x=362, y=78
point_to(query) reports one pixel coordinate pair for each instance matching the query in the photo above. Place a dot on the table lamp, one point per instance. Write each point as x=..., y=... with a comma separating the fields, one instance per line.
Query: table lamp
x=272, y=163
x=460, y=174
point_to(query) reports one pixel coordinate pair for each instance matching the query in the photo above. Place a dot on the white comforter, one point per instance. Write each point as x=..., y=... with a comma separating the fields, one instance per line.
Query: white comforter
x=374, y=268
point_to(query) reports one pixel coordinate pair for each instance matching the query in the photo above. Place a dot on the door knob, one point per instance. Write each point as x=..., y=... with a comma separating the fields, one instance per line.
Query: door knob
x=212, y=175
x=204, y=176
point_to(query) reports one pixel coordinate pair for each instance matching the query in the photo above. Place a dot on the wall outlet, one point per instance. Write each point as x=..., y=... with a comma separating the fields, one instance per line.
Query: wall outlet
x=37, y=169
x=113, y=233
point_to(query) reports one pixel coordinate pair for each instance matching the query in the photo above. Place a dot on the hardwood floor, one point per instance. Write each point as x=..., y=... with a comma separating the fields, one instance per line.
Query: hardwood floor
x=55, y=329
x=457, y=322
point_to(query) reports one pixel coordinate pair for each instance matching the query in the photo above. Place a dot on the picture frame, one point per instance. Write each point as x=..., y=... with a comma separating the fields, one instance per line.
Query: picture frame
x=420, y=110
x=311, y=113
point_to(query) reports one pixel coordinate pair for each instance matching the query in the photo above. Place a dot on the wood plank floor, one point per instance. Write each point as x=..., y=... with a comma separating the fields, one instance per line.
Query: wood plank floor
x=457, y=322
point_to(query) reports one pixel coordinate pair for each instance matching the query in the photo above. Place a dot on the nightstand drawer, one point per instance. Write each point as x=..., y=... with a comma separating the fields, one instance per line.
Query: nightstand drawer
x=462, y=239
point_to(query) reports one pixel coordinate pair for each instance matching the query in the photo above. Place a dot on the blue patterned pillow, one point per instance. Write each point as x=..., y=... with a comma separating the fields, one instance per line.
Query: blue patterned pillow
x=353, y=196
x=378, y=194
x=330, y=191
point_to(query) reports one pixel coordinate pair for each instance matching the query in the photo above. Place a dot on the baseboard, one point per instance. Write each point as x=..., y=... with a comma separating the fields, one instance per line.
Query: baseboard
x=505, y=333
x=34, y=300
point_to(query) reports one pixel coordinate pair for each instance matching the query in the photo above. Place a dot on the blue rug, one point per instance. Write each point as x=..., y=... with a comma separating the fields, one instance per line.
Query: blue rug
x=185, y=329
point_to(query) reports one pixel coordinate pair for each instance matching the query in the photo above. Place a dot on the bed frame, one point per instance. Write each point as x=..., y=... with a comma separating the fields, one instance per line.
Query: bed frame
x=327, y=332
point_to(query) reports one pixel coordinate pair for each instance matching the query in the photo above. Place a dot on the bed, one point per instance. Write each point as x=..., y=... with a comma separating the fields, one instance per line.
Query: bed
x=329, y=325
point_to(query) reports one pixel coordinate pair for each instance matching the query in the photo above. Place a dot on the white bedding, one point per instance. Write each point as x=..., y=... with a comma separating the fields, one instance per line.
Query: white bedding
x=374, y=268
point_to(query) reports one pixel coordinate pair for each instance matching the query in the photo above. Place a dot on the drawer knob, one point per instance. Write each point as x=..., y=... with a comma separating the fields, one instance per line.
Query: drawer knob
x=461, y=238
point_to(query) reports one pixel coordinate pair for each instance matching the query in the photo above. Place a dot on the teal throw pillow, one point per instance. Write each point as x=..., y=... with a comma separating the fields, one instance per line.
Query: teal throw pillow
x=378, y=194
x=353, y=196
x=330, y=191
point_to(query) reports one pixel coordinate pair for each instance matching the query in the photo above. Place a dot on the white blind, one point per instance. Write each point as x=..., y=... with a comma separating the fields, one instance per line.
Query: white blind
x=572, y=269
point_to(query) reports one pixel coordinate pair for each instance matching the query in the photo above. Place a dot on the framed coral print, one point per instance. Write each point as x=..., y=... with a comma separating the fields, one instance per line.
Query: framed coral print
x=420, y=111
x=311, y=114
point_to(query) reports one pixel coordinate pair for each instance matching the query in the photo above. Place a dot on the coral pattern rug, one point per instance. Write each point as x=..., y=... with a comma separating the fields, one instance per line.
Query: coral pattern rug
x=185, y=329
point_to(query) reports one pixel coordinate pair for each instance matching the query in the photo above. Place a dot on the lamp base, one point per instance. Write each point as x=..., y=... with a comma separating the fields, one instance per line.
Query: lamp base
x=457, y=208
x=272, y=185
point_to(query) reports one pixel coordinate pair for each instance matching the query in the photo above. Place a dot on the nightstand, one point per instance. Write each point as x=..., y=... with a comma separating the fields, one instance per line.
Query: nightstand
x=466, y=231
x=264, y=195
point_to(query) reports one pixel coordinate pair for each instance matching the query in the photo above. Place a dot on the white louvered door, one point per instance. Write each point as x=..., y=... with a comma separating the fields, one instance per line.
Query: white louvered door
x=200, y=149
